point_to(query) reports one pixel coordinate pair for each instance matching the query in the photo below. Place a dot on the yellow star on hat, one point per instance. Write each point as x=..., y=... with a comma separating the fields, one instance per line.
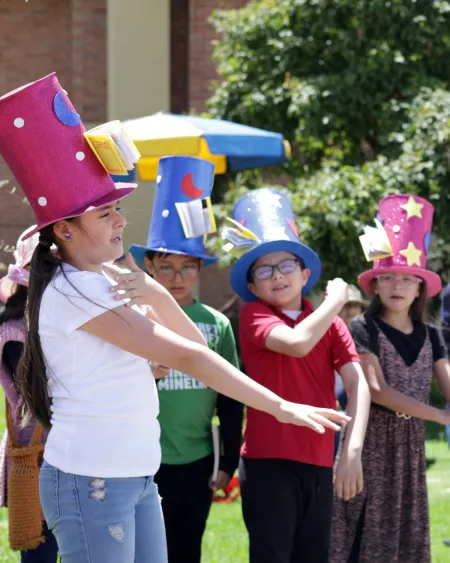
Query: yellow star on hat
x=412, y=254
x=412, y=208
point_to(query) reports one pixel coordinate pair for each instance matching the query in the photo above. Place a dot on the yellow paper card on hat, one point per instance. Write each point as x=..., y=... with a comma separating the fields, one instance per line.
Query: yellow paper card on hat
x=375, y=242
x=243, y=232
x=113, y=147
x=107, y=152
x=239, y=240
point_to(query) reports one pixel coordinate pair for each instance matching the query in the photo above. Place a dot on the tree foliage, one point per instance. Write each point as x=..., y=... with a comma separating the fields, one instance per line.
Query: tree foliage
x=361, y=90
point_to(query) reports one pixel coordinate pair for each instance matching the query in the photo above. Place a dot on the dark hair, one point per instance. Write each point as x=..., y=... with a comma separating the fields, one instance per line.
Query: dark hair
x=15, y=305
x=250, y=270
x=31, y=372
x=150, y=254
x=417, y=311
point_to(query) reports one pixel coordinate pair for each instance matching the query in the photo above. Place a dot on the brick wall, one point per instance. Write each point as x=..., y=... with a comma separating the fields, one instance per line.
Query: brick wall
x=69, y=37
x=202, y=69
x=89, y=68
x=215, y=289
x=37, y=38
x=179, y=56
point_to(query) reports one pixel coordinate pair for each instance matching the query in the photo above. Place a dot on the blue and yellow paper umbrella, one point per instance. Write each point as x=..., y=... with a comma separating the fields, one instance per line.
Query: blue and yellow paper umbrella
x=229, y=146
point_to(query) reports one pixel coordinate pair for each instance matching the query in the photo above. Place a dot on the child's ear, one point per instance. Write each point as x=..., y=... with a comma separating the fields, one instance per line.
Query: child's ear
x=148, y=265
x=252, y=288
x=306, y=273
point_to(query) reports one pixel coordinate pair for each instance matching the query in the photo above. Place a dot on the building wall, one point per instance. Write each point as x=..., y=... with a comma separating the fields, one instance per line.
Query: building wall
x=37, y=38
x=138, y=84
x=138, y=57
x=179, y=56
x=116, y=59
x=202, y=69
x=215, y=289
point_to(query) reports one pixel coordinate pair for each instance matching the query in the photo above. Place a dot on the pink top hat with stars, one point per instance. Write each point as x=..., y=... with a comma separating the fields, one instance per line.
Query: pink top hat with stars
x=41, y=140
x=407, y=220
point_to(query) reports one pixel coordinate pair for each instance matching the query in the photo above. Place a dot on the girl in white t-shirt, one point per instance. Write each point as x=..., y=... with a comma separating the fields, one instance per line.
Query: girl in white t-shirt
x=85, y=370
x=86, y=374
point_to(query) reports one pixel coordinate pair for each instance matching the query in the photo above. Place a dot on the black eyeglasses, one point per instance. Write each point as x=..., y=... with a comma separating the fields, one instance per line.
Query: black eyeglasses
x=168, y=273
x=285, y=267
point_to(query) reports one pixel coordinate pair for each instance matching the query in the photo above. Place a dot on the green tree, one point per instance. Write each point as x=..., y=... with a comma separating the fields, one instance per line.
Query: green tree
x=361, y=90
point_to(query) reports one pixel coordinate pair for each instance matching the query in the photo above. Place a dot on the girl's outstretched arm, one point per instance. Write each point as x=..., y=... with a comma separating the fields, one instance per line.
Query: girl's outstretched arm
x=127, y=329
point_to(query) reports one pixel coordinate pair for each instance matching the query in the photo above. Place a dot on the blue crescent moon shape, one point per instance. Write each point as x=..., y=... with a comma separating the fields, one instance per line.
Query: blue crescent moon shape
x=378, y=218
x=427, y=242
x=64, y=113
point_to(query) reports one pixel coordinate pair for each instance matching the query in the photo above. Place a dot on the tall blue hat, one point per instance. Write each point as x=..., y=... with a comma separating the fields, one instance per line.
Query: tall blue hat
x=182, y=212
x=263, y=222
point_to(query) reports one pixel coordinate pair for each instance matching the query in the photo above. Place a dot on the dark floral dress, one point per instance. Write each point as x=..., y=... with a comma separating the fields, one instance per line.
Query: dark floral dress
x=388, y=522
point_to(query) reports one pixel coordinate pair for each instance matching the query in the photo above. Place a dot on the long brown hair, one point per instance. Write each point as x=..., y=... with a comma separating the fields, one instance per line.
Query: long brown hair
x=15, y=305
x=418, y=310
x=31, y=372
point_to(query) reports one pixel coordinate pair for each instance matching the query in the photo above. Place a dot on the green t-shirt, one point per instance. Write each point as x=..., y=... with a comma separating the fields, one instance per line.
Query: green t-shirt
x=187, y=406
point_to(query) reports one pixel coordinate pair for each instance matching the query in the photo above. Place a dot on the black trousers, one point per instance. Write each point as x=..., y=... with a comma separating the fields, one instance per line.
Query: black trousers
x=186, y=501
x=287, y=508
x=46, y=552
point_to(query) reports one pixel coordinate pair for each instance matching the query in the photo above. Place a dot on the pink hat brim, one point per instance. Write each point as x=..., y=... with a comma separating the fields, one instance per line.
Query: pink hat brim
x=433, y=281
x=121, y=191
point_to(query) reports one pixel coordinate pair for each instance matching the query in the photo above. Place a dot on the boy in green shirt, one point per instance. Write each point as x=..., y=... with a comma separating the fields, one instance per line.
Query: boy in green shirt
x=186, y=405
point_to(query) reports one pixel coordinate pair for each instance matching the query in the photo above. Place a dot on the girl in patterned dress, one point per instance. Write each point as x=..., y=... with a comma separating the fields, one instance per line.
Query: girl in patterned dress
x=388, y=521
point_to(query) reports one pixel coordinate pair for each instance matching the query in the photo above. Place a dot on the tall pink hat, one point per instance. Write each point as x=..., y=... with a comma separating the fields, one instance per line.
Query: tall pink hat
x=41, y=140
x=407, y=221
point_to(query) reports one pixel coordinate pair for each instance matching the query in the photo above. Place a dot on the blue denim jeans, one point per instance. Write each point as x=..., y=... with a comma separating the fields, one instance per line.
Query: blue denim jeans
x=97, y=520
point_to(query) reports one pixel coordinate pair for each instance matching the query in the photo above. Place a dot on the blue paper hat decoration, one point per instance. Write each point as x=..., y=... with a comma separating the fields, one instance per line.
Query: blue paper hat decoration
x=182, y=212
x=263, y=222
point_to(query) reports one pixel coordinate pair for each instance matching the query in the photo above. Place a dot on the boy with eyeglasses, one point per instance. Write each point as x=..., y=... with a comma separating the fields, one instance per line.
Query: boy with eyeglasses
x=286, y=473
x=187, y=406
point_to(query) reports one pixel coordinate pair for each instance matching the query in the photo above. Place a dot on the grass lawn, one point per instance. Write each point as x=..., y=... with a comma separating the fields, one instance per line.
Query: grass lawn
x=225, y=540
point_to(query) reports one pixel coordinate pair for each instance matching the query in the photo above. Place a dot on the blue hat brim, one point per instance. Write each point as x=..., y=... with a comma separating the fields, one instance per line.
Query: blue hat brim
x=138, y=252
x=238, y=275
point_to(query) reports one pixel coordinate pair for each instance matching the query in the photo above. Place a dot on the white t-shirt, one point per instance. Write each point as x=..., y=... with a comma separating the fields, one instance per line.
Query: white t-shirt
x=104, y=399
x=294, y=315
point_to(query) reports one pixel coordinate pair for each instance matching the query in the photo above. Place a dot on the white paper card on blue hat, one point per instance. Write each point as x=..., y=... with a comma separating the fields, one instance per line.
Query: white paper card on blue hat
x=197, y=217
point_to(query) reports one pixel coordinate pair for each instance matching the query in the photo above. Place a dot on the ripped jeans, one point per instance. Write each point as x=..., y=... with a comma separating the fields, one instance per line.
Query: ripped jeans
x=98, y=520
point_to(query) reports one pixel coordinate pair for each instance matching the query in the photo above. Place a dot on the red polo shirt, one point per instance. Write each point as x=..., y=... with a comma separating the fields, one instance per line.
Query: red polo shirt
x=308, y=380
